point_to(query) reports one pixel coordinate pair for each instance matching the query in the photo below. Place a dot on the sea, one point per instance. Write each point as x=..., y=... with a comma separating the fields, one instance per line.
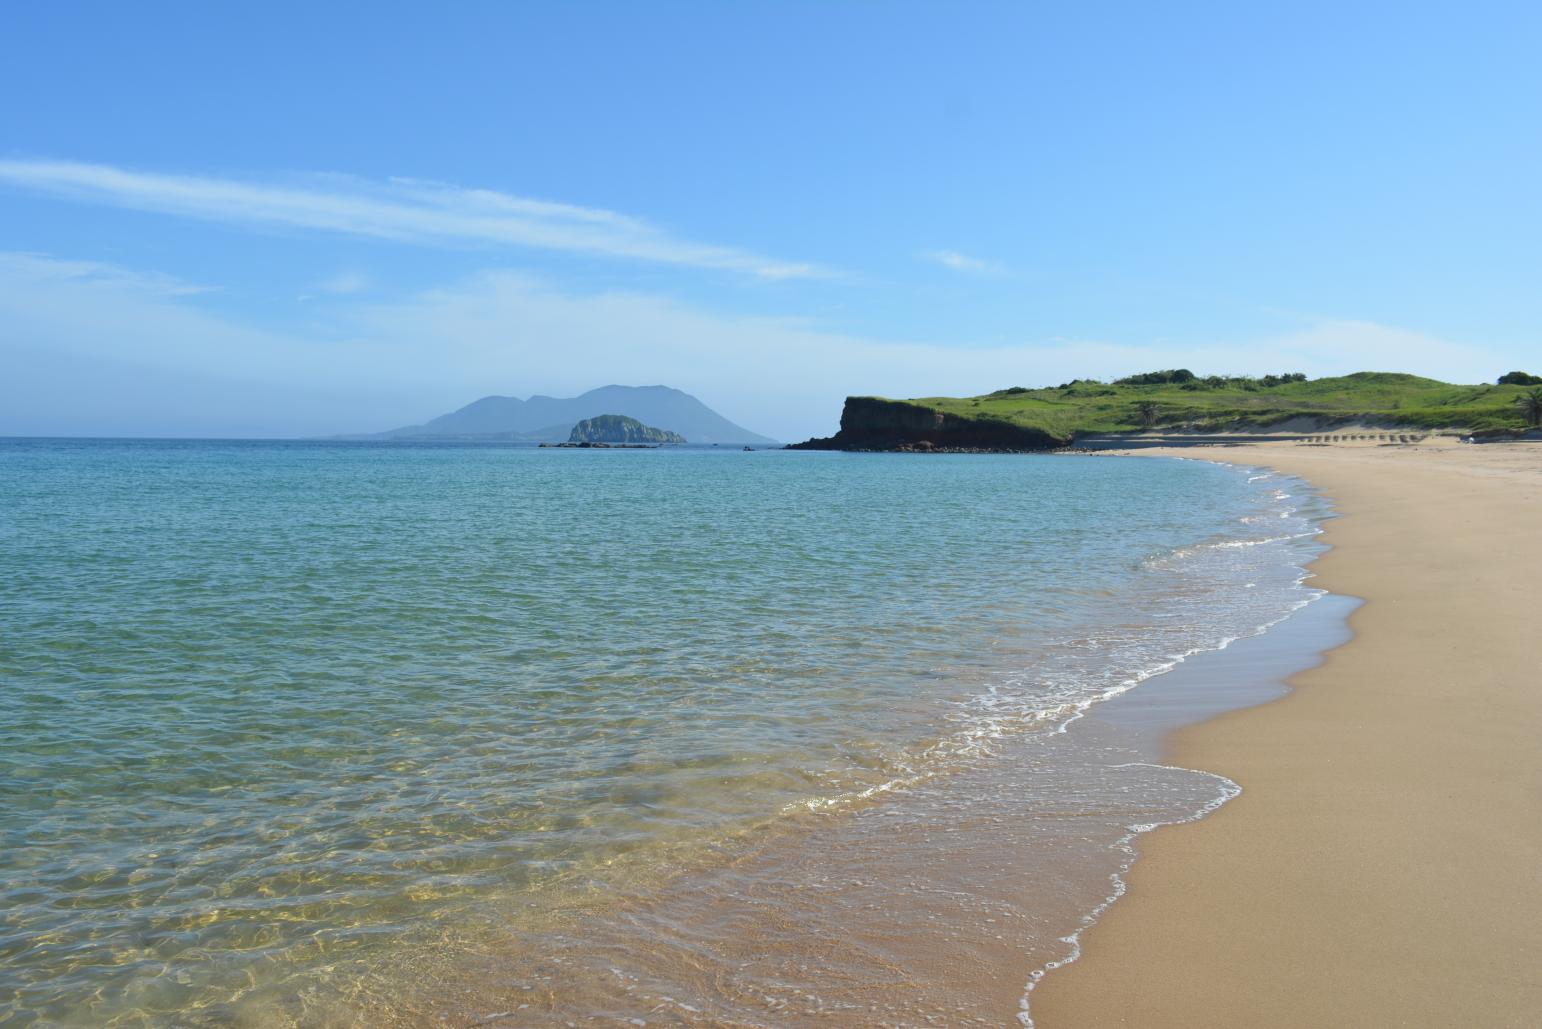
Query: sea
x=340, y=733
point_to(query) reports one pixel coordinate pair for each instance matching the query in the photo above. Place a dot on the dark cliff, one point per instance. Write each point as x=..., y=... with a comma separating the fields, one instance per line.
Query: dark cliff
x=873, y=423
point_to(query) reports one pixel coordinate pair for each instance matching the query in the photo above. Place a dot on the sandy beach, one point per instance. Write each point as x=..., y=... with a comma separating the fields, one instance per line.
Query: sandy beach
x=1382, y=865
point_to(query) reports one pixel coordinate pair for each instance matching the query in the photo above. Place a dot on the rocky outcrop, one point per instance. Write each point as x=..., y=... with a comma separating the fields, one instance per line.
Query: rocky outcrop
x=873, y=423
x=619, y=429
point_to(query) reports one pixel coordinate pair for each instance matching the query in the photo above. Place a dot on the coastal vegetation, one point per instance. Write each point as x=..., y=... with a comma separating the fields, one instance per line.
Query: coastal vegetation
x=1178, y=400
x=1530, y=404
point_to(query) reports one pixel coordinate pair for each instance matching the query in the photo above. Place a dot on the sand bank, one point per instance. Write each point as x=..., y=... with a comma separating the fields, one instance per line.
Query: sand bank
x=1384, y=864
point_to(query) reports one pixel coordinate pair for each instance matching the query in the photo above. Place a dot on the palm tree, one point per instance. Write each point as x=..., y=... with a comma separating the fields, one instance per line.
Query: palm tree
x=1530, y=404
x=1149, y=410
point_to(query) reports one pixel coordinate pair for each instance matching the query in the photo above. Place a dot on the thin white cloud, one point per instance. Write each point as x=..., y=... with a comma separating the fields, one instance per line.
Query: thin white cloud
x=84, y=341
x=964, y=263
x=43, y=270
x=398, y=209
x=345, y=282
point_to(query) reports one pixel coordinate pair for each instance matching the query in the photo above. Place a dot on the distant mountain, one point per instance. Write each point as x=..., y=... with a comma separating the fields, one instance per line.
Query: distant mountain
x=618, y=428
x=551, y=419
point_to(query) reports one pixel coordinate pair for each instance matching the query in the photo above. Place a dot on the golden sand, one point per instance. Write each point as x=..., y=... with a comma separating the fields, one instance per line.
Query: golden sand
x=1384, y=864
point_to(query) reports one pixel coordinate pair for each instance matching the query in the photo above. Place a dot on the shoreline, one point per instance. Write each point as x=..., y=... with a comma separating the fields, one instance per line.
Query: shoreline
x=1379, y=867
x=1007, y=835
x=1248, y=672
x=987, y=857
x=823, y=917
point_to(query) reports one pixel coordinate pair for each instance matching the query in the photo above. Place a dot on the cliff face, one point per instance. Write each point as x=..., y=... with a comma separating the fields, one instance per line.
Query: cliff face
x=872, y=423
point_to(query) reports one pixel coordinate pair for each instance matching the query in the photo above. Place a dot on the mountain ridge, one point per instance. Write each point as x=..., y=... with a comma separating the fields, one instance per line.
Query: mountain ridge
x=542, y=418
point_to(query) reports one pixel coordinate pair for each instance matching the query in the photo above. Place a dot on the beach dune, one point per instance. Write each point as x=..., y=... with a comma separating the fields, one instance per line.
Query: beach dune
x=1383, y=866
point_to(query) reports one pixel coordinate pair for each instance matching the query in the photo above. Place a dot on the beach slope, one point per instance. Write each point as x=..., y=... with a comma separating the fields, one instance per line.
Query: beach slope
x=1382, y=866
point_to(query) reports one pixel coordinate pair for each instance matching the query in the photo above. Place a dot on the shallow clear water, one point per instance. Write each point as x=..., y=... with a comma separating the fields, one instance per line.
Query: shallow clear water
x=271, y=712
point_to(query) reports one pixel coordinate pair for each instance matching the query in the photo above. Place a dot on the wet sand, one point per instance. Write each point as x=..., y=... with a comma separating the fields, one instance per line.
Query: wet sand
x=1382, y=866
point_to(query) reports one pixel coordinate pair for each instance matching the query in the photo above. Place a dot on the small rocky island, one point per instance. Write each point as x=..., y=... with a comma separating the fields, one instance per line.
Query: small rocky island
x=617, y=430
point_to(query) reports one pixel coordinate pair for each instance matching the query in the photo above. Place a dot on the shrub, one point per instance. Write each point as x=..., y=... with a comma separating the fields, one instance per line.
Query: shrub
x=1530, y=404
x=1520, y=379
x=1162, y=378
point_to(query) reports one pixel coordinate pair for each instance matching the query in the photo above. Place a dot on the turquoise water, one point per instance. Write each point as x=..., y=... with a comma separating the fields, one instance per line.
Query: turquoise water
x=267, y=710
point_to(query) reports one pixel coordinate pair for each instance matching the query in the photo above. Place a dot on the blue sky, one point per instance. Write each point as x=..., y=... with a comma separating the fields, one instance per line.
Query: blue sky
x=310, y=218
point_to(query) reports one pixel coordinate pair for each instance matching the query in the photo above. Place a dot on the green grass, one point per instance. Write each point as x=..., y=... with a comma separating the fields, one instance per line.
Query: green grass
x=1384, y=398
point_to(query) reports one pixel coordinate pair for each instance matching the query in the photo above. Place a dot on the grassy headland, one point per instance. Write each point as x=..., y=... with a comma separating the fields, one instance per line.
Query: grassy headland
x=1180, y=401
x=1231, y=404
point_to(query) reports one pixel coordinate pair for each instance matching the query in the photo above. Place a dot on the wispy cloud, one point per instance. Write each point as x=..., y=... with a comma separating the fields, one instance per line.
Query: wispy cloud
x=345, y=282
x=44, y=271
x=407, y=210
x=340, y=284
x=964, y=263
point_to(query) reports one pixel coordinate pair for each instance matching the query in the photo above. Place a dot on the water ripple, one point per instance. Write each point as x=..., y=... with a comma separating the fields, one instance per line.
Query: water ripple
x=266, y=707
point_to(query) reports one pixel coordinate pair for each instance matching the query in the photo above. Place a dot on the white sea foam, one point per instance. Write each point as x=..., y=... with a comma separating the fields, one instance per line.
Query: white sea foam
x=1227, y=791
x=1295, y=596
x=1072, y=676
